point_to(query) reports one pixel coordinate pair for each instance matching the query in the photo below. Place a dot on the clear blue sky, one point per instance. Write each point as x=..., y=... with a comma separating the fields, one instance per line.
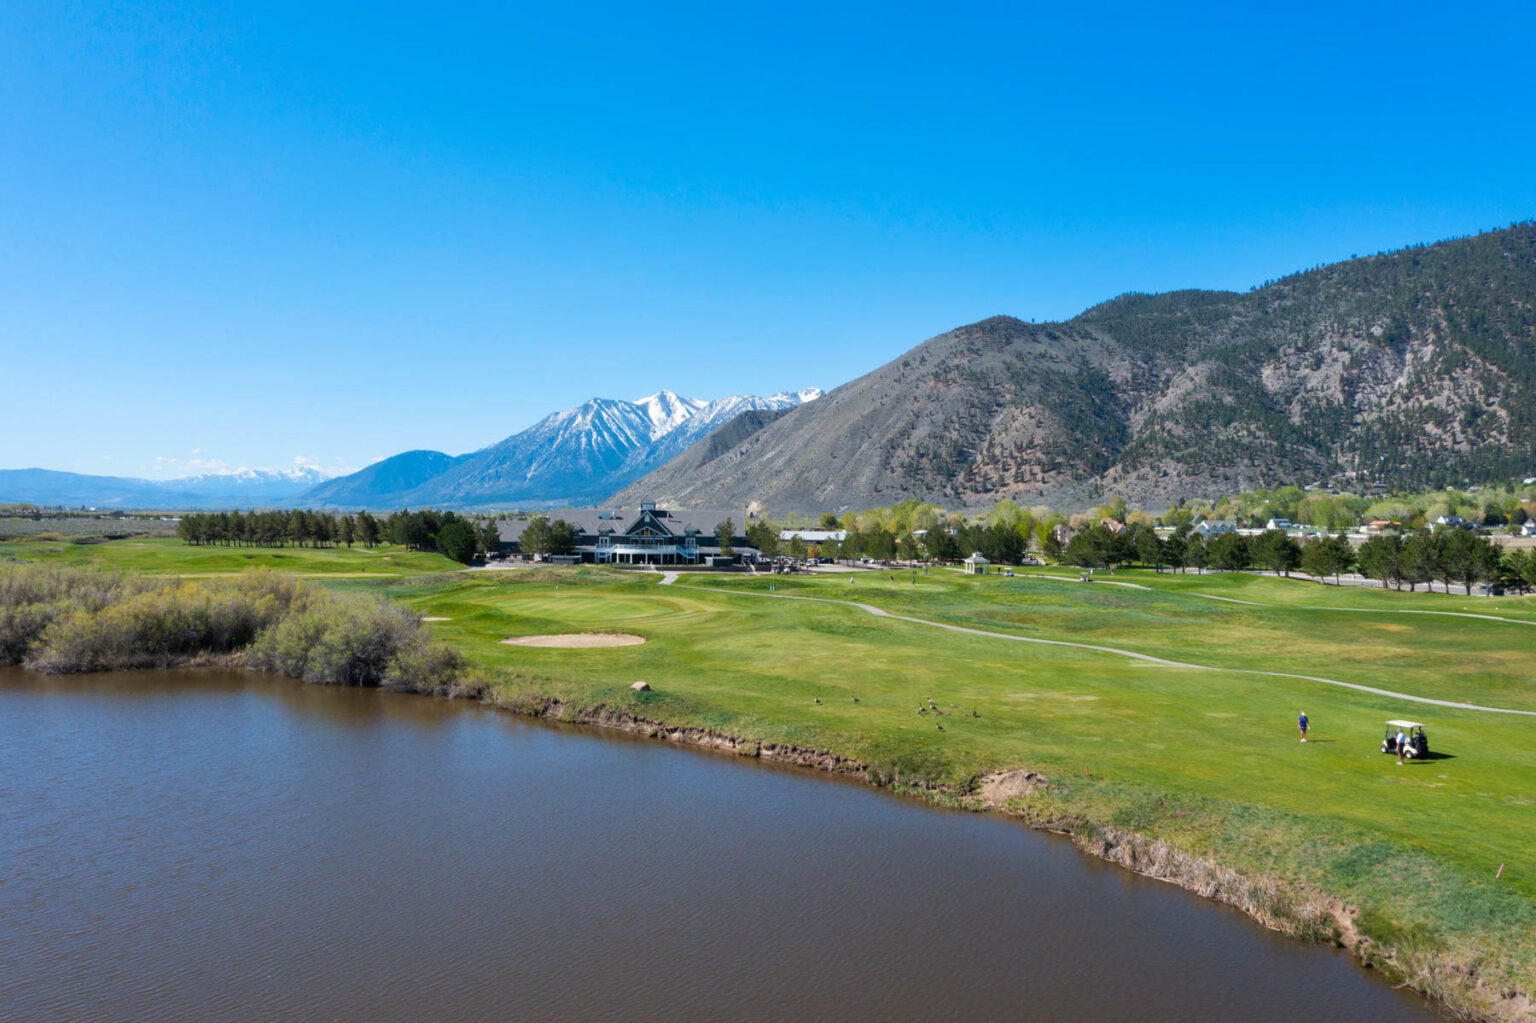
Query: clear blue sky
x=245, y=233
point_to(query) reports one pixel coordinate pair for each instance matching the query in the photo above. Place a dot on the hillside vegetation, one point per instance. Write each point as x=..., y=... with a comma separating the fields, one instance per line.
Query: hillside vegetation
x=1414, y=368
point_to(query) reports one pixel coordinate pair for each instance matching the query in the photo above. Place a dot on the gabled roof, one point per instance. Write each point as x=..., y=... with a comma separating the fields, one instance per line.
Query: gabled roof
x=596, y=521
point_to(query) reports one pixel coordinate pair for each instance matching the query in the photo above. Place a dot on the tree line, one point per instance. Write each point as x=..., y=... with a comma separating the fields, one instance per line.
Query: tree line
x=1412, y=559
x=444, y=532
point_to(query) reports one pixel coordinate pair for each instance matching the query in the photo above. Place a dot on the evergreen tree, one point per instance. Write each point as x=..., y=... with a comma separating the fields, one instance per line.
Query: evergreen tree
x=1229, y=552
x=1196, y=555
x=456, y=540
x=1378, y=558
x=1274, y=551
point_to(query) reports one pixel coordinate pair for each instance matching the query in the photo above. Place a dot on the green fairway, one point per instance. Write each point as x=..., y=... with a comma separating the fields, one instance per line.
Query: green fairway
x=954, y=676
x=1208, y=759
x=172, y=556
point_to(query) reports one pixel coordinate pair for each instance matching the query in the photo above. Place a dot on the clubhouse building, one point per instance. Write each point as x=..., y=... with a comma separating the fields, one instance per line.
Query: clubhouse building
x=650, y=536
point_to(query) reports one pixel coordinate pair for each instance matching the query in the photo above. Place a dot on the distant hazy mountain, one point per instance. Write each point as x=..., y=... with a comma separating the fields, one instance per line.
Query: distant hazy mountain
x=1415, y=368
x=247, y=488
x=381, y=484
x=574, y=457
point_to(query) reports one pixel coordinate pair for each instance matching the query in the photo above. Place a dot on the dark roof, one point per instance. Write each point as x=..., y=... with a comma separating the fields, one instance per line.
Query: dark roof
x=592, y=521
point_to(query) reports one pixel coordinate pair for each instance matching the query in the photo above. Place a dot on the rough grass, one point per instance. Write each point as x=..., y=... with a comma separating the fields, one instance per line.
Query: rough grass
x=1207, y=761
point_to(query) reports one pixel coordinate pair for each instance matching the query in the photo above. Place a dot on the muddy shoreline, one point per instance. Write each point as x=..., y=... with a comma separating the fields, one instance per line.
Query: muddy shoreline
x=1306, y=914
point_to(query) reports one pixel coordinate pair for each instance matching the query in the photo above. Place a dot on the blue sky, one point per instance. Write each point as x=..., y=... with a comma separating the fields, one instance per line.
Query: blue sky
x=242, y=234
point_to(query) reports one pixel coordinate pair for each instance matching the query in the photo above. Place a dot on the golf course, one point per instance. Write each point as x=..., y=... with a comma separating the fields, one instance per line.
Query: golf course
x=1156, y=711
x=1193, y=743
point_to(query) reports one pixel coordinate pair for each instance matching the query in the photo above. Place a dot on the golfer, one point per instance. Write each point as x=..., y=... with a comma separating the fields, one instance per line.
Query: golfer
x=1302, y=724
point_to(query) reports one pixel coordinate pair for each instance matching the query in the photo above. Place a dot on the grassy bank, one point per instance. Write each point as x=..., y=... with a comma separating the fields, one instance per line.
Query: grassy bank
x=1207, y=761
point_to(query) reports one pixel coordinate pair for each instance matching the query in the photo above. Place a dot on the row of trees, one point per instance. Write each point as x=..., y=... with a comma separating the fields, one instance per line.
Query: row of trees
x=1448, y=556
x=445, y=532
x=1494, y=507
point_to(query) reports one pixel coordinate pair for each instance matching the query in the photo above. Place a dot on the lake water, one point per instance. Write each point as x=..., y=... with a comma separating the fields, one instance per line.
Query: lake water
x=217, y=845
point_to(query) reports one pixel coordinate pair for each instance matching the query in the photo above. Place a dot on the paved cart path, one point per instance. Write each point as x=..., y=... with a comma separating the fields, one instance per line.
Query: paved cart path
x=1371, y=610
x=1134, y=655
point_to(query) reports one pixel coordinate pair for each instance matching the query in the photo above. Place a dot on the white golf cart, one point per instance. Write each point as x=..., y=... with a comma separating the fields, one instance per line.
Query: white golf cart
x=1415, y=742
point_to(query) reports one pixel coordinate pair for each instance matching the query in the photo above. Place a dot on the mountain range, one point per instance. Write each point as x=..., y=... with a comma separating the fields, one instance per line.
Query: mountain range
x=245, y=488
x=575, y=457
x=578, y=456
x=1408, y=368
x=1411, y=368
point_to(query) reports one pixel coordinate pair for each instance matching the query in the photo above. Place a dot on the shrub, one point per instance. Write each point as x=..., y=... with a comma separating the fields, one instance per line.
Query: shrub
x=68, y=620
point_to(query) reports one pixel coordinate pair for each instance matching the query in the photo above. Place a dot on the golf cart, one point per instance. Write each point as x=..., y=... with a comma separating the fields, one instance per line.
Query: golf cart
x=1415, y=742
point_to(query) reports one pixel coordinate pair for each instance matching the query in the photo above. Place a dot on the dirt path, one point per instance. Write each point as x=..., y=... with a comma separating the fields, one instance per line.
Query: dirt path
x=1134, y=655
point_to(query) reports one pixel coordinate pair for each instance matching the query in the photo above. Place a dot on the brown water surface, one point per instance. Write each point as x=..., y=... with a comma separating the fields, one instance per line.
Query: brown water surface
x=216, y=845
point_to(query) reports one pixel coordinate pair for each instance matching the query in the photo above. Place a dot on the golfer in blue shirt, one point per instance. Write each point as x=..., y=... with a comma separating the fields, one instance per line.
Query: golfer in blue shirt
x=1302, y=721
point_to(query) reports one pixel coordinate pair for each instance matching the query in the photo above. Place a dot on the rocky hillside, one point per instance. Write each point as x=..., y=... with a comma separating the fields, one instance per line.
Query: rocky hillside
x=1415, y=367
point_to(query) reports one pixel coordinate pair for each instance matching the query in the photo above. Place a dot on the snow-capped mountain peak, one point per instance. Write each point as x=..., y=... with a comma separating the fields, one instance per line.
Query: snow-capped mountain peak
x=666, y=411
x=799, y=397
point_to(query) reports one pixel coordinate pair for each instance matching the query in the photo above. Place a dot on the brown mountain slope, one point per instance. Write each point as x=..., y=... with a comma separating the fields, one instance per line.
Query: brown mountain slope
x=1416, y=366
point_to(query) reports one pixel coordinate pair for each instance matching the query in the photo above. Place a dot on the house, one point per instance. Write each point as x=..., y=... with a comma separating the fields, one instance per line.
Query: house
x=1453, y=522
x=1382, y=525
x=976, y=564
x=1284, y=525
x=1115, y=526
x=650, y=536
x=1207, y=528
x=1528, y=527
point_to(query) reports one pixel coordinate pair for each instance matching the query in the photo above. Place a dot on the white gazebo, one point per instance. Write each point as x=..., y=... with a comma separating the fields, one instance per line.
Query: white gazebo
x=976, y=564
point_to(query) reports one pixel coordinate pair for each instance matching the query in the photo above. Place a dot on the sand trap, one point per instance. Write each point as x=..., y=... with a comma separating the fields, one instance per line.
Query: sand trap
x=578, y=639
x=431, y=619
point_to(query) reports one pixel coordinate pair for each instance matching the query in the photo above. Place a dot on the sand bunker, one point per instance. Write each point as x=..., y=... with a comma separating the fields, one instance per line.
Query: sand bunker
x=578, y=639
x=429, y=618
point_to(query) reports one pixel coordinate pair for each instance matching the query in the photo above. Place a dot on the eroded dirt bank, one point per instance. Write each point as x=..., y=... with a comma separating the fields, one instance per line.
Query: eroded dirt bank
x=1306, y=914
